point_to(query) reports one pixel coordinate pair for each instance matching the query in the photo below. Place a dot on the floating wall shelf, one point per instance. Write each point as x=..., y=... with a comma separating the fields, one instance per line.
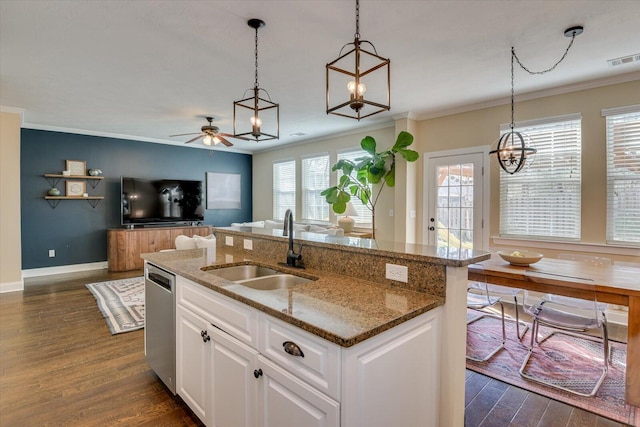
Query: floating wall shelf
x=54, y=179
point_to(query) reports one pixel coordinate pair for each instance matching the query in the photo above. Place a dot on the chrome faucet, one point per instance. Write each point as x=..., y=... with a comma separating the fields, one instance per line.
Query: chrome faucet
x=292, y=257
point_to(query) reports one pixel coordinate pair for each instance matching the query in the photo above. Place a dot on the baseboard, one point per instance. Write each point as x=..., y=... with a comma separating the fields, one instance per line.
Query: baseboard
x=11, y=286
x=73, y=268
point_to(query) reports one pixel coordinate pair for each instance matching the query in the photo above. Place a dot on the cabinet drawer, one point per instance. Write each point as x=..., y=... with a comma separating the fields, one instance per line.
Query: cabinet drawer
x=319, y=361
x=236, y=319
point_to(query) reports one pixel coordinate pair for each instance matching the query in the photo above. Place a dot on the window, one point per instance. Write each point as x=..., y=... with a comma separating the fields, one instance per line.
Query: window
x=623, y=175
x=315, y=179
x=284, y=188
x=543, y=200
x=364, y=218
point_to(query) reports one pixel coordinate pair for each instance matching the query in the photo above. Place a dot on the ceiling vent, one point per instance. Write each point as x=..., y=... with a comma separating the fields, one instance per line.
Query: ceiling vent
x=624, y=60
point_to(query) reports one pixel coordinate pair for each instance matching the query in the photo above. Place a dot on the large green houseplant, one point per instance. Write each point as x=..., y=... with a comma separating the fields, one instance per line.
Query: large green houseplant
x=365, y=177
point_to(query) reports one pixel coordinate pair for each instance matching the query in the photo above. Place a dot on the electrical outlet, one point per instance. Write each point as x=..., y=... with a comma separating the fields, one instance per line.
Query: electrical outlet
x=228, y=240
x=248, y=244
x=228, y=258
x=399, y=273
x=52, y=253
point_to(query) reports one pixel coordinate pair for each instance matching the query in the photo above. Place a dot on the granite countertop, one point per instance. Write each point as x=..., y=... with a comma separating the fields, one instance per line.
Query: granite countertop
x=444, y=255
x=341, y=309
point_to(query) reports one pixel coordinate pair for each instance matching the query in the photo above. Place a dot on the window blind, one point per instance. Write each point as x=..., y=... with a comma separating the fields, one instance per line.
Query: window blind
x=315, y=179
x=543, y=200
x=364, y=218
x=623, y=178
x=284, y=188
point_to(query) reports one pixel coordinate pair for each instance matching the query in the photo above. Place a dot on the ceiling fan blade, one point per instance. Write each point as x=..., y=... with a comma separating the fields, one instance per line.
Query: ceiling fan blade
x=197, y=137
x=184, y=134
x=224, y=141
x=228, y=135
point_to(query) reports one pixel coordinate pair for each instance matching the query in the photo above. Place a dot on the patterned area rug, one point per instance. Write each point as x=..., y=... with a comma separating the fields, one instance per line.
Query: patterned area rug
x=559, y=357
x=121, y=303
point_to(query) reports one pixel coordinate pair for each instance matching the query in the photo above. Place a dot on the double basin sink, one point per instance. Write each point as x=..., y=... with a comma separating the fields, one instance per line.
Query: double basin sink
x=258, y=277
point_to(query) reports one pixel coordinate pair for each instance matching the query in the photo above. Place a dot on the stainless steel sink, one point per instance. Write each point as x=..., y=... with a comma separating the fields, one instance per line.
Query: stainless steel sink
x=276, y=281
x=242, y=272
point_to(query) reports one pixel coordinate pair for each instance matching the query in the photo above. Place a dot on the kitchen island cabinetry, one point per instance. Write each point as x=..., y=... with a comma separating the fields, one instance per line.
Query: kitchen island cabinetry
x=289, y=377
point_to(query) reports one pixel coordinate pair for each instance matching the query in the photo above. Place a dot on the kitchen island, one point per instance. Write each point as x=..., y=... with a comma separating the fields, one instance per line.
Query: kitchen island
x=375, y=347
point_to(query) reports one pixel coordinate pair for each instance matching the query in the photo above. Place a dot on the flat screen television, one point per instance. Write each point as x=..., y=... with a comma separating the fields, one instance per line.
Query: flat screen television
x=160, y=201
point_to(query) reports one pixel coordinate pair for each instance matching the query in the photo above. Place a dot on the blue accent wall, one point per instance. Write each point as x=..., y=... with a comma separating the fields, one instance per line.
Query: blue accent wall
x=78, y=232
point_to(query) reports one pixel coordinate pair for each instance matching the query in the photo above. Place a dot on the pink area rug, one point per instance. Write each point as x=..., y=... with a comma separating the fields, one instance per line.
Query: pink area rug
x=566, y=360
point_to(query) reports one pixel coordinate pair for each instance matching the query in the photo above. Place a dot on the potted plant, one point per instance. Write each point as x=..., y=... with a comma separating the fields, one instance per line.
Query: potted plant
x=366, y=176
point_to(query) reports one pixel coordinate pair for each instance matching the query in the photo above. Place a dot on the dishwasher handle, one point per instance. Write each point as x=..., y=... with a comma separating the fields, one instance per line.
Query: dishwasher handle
x=160, y=280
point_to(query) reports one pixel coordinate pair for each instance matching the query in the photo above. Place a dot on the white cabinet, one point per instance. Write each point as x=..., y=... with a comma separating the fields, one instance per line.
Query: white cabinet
x=192, y=359
x=273, y=374
x=393, y=378
x=287, y=401
x=233, y=384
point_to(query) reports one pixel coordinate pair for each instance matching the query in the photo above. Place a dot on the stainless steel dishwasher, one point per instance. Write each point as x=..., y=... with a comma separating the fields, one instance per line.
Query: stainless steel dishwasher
x=160, y=323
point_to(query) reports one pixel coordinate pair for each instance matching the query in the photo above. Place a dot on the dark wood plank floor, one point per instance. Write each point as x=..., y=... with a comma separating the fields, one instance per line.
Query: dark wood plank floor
x=60, y=366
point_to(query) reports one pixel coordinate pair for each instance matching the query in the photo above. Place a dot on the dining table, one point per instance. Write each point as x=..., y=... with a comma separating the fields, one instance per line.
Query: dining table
x=614, y=284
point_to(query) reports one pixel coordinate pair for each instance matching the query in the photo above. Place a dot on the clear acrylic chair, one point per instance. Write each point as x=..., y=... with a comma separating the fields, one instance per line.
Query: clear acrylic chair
x=567, y=316
x=479, y=298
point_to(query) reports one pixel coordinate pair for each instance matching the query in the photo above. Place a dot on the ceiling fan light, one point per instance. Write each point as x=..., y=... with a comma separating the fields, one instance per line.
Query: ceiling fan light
x=216, y=140
x=207, y=140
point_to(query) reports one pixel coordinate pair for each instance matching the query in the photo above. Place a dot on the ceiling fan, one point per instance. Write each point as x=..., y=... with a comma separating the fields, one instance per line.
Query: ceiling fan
x=210, y=133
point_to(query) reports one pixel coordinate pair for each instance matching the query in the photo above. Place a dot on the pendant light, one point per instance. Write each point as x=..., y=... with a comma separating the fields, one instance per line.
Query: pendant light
x=513, y=150
x=252, y=115
x=355, y=72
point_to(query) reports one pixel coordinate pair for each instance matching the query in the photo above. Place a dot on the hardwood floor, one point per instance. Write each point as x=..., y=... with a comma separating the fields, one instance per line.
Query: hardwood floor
x=60, y=366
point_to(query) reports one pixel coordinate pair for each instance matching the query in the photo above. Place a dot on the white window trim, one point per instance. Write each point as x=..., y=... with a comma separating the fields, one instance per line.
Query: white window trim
x=300, y=187
x=608, y=112
x=273, y=202
x=546, y=121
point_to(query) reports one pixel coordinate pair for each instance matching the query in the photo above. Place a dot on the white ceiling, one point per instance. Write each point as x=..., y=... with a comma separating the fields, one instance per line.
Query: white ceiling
x=148, y=69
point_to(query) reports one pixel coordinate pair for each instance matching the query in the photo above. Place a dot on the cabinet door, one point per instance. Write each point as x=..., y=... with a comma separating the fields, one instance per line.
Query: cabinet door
x=286, y=401
x=192, y=358
x=234, y=387
x=392, y=379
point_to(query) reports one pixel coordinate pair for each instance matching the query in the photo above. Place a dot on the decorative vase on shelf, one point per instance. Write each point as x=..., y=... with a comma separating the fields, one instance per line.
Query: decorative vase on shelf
x=54, y=192
x=94, y=172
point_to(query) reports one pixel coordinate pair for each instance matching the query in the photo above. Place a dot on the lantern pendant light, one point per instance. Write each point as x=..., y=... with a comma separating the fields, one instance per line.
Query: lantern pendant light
x=252, y=115
x=350, y=84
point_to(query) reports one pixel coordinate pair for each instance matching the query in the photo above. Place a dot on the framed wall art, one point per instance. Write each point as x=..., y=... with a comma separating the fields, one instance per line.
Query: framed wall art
x=77, y=167
x=223, y=190
x=75, y=188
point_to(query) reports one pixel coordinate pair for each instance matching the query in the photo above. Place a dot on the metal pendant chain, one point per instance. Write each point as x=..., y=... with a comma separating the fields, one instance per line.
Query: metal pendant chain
x=357, y=34
x=513, y=52
x=256, y=85
x=513, y=55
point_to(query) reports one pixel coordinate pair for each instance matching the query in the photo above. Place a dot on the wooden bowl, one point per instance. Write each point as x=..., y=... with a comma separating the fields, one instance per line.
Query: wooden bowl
x=520, y=257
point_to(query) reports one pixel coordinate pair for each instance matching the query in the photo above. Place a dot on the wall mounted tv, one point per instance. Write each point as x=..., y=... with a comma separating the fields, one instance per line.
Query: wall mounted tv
x=160, y=201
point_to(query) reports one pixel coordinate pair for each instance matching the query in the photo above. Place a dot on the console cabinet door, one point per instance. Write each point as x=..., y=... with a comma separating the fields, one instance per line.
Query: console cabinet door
x=234, y=387
x=192, y=359
x=286, y=401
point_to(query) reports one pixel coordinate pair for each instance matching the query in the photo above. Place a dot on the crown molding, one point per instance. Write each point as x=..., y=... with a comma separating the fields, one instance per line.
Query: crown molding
x=13, y=110
x=127, y=137
x=575, y=87
x=378, y=125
